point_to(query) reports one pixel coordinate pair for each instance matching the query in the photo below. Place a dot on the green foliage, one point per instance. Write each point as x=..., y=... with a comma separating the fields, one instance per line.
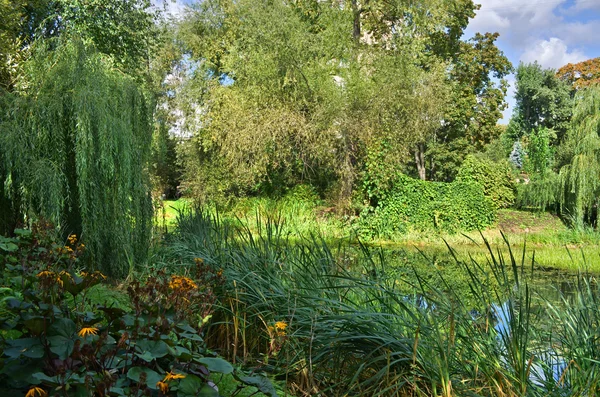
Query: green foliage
x=540, y=153
x=61, y=341
x=166, y=173
x=313, y=98
x=413, y=204
x=475, y=106
x=541, y=191
x=76, y=149
x=355, y=324
x=496, y=178
x=579, y=179
x=542, y=101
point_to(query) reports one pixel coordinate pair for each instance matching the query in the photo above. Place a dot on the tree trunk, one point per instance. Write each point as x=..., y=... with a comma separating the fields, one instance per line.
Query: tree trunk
x=420, y=160
x=356, y=25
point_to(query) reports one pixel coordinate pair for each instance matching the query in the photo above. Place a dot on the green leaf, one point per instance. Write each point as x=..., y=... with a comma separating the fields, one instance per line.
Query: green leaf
x=42, y=377
x=192, y=385
x=262, y=383
x=9, y=247
x=208, y=391
x=147, y=356
x=216, y=365
x=152, y=377
x=35, y=324
x=63, y=327
x=182, y=353
x=26, y=347
x=23, y=232
x=63, y=338
x=153, y=349
x=186, y=327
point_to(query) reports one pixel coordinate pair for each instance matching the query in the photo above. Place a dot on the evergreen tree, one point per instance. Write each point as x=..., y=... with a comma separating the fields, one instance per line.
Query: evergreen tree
x=516, y=156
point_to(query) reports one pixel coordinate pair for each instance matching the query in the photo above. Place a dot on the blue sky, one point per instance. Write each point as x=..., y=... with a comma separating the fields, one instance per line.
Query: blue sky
x=551, y=32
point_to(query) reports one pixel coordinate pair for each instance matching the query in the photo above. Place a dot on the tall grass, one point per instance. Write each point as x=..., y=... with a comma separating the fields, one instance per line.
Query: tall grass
x=353, y=329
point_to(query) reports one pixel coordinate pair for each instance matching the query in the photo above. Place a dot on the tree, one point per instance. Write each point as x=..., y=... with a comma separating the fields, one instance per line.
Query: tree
x=542, y=101
x=582, y=74
x=475, y=105
x=123, y=29
x=580, y=179
x=76, y=144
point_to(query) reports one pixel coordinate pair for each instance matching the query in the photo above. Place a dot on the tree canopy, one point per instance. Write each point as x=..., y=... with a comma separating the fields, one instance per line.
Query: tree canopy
x=542, y=101
x=582, y=74
x=330, y=85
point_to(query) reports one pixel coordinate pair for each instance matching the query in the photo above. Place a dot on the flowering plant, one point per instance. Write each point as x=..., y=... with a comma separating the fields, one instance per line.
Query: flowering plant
x=58, y=341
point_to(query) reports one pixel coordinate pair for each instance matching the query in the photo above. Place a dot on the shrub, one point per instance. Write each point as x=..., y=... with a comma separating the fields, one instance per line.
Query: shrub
x=413, y=204
x=495, y=178
x=542, y=191
x=57, y=342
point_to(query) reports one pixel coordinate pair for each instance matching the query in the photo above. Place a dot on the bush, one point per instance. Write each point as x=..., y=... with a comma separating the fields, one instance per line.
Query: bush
x=541, y=191
x=495, y=178
x=57, y=342
x=418, y=205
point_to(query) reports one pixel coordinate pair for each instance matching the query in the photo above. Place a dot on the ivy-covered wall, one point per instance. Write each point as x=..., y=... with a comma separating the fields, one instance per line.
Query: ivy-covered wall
x=416, y=205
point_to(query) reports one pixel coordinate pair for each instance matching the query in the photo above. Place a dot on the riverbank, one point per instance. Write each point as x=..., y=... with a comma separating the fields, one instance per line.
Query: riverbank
x=548, y=240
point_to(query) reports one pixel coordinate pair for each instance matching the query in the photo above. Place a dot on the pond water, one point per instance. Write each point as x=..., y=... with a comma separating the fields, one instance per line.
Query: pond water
x=548, y=285
x=549, y=275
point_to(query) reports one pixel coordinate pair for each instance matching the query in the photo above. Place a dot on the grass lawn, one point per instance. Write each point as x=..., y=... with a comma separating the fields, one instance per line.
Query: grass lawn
x=166, y=212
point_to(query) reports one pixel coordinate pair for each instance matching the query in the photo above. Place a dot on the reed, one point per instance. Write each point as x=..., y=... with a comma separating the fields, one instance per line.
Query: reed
x=351, y=327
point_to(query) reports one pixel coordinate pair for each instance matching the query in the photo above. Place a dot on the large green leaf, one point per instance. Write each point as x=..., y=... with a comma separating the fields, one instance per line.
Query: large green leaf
x=9, y=247
x=152, y=349
x=152, y=377
x=216, y=365
x=262, y=383
x=192, y=385
x=26, y=347
x=63, y=338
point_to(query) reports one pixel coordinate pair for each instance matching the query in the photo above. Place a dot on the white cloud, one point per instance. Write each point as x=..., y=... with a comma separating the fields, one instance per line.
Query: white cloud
x=552, y=53
x=578, y=33
x=515, y=20
x=175, y=9
x=581, y=5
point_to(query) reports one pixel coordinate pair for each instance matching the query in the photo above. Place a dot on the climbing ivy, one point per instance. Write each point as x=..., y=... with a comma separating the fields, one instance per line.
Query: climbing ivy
x=416, y=205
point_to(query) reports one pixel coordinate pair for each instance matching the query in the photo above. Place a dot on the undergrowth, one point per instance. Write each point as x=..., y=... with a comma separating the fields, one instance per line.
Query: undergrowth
x=353, y=327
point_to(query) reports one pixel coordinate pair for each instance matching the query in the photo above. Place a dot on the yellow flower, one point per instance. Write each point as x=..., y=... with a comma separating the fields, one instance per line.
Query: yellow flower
x=163, y=387
x=85, y=331
x=72, y=238
x=180, y=283
x=281, y=325
x=45, y=274
x=62, y=276
x=36, y=392
x=171, y=376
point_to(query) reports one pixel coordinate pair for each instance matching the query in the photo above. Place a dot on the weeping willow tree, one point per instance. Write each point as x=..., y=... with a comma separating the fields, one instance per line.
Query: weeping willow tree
x=580, y=180
x=76, y=145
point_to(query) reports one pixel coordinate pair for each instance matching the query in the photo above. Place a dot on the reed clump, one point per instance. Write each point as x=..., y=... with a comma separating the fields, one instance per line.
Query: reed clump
x=355, y=327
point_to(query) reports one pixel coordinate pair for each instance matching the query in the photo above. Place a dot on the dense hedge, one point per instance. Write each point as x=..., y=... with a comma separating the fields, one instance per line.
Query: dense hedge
x=415, y=205
x=495, y=177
